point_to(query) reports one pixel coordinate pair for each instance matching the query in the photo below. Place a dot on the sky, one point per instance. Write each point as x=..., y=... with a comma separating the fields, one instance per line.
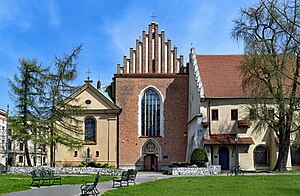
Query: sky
x=106, y=29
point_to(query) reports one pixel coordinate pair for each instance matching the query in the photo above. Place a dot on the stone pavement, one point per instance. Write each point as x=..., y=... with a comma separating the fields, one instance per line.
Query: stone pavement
x=74, y=190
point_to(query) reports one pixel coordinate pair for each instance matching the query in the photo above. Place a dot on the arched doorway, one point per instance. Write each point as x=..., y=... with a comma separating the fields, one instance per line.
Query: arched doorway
x=150, y=162
x=261, y=155
x=151, y=155
x=224, y=158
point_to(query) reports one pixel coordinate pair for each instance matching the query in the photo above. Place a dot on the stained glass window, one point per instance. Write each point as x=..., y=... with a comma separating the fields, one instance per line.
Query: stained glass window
x=150, y=108
x=90, y=130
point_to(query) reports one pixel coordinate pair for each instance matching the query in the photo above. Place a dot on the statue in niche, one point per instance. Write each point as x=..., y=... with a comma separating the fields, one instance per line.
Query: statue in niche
x=88, y=155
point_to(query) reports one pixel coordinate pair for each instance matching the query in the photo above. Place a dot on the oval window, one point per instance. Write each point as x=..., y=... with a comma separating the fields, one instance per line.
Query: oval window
x=88, y=101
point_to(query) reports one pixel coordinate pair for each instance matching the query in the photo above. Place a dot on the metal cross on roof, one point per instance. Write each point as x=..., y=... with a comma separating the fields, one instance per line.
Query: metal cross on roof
x=88, y=73
x=153, y=17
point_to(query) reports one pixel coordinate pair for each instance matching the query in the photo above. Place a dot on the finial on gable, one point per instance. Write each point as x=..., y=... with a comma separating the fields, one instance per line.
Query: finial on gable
x=153, y=17
x=88, y=77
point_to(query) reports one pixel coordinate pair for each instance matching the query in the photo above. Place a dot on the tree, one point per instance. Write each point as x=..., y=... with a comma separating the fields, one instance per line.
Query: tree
x=26, y=89
x=59, y=108
x=270, y=70
x=199, y=157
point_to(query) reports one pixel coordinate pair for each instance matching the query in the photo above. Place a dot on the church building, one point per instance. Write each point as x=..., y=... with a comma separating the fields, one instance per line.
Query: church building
x=98, y=120
x=151, y=88
x=157, y=110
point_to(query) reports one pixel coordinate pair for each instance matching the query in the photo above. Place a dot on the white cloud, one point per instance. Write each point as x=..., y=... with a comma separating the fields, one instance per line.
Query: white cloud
x=24, y=15
x=209, y=27
x=7, y=11
x=124, y=30
x=13, y=13
x=54, y=19
x=206, y=24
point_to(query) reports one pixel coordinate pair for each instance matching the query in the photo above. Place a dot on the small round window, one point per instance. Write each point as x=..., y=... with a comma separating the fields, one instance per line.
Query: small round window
x=88, y=101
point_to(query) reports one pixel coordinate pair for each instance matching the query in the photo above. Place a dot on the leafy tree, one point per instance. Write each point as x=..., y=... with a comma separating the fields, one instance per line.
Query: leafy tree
x=26, y=89
x=270, y=70
x=60, y=108
x=199, y=157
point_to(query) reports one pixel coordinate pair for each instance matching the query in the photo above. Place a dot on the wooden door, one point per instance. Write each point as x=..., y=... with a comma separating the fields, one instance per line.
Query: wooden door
x=224, y=158
x=150, y=162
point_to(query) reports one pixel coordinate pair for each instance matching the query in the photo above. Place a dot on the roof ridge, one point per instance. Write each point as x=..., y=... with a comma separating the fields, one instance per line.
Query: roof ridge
x=220, y=54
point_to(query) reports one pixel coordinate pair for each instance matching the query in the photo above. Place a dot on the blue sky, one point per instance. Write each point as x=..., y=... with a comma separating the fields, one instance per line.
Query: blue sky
x=107, y=28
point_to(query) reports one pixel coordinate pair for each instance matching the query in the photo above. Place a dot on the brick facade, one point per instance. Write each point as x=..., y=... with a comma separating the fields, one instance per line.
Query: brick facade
x=175, y=92
x=152, y=64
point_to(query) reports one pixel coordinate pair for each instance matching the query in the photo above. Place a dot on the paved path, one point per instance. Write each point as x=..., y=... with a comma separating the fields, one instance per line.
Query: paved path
x=74, y=190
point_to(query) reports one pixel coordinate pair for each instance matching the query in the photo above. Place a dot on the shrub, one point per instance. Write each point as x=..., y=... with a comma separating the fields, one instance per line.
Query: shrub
x=95, y=165
x=133, y=170
x=167, y=172
x=91, y=164
x=180, y=164
x=199, y=157
x=105, y=165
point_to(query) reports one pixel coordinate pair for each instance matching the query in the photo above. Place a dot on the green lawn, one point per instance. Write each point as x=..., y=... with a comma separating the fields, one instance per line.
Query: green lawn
x=12, y=183
x=216, y=185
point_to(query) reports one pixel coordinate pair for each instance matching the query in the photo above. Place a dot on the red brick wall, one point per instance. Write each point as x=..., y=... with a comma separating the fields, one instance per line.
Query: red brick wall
x=175, y=92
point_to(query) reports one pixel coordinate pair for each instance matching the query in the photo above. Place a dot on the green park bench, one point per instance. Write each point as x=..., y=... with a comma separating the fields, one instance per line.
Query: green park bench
x=131, y=176
x=90, y=188
x=126, y=178
x=43, y=177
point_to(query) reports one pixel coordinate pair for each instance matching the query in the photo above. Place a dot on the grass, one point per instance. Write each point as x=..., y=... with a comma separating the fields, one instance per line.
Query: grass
x=216, y=185
x=12, y=183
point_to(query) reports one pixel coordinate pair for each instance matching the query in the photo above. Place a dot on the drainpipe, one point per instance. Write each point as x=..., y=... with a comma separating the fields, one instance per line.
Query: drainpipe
x=118, y=138
x=108, y=140
x=118, y=135
x=209, y=131
x=236, y=139
x=6, y=138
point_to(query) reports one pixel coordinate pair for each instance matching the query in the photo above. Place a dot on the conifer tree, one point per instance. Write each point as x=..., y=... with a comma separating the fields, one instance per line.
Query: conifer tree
x=60, y=108
x=26, y=90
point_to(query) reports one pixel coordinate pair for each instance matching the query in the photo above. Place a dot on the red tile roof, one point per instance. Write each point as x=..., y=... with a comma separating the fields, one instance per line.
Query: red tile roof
x=227, y=139
x=220, y=76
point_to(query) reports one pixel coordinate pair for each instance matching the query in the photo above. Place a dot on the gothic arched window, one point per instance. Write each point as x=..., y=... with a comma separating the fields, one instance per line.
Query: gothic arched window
x=150, y=113
x=261, y=155
x=90, y=130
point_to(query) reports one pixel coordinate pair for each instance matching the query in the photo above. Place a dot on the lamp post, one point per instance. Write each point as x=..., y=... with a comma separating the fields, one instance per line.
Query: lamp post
x=236, y=139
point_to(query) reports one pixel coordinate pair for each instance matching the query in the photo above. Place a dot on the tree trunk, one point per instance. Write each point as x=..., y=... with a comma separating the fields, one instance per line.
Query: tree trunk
x=27, y=154
x=34, y=158
x=52, y=149
x=284, y=144
x=52, y=161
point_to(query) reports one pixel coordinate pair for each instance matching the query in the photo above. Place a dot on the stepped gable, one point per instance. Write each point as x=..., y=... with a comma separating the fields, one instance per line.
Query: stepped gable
x=152, y=55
